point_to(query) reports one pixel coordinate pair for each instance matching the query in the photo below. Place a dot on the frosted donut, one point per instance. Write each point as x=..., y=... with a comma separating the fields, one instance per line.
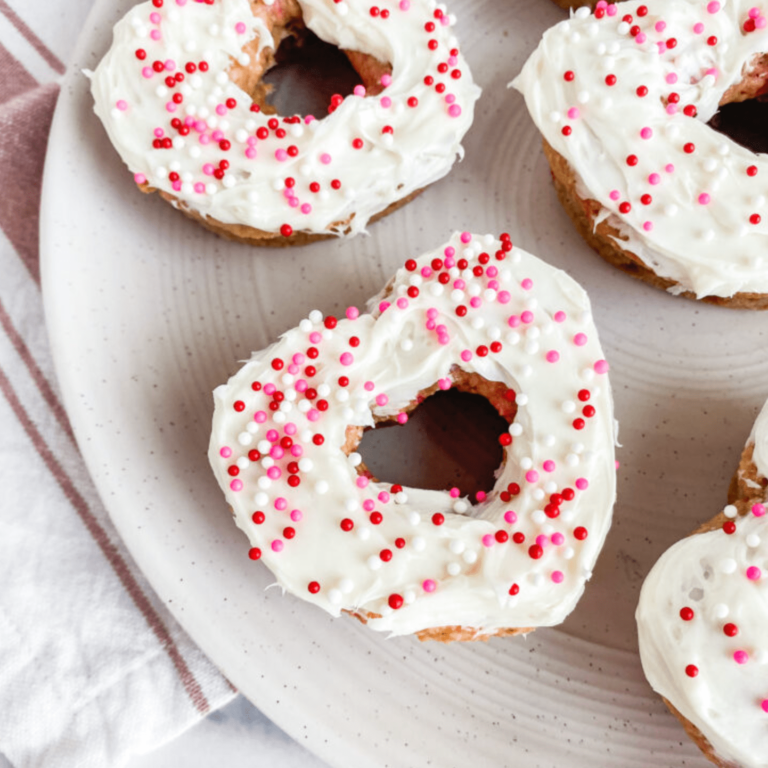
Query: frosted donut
x=703, y=621
x=622, y=96
x=181, y=98
x=477, y=314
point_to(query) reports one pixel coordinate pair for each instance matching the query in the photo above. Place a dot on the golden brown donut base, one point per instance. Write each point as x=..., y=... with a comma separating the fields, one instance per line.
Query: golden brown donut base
x=494, y=392
x=742, y=496
x=584, y=213
x=283, y=19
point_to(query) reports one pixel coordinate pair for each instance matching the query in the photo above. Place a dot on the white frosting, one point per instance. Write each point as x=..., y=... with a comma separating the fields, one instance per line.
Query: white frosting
x=697, y=229
x=419, y=145
x=708, y=573
x=536, y=314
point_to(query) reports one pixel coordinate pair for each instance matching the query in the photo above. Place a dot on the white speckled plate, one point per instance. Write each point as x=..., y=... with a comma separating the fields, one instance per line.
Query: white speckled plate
x=147, y=313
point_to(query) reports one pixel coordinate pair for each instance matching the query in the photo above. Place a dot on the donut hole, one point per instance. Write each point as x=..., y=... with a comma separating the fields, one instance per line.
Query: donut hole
x=303, y=73
x=450, y=440
x=744, y=122
x=307, y=73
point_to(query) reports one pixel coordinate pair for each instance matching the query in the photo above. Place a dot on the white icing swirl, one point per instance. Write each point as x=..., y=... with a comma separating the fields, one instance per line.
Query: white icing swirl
x=409, y=136
x=696, y=217
x=527, y=325
x=709, y=573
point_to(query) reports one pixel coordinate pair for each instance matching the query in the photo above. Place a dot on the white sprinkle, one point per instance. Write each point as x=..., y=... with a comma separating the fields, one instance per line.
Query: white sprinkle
x=267, y=462
x=244, y=438
x=460, y=507
x=306, y=465
x=457, y=546
x=536, y=579
x=321, y=487
x=730, y=511
x=454, y=569
x=342, y=395
x=720, y=611
x=550, y=486
x=583, y=97
x=753, y=540
x=418, y=544
x=409, y=596
x=363, y=533
x=515, y=429
x=374, y=562
x=264, y=482
x=351, y=504
x=526, y=463
x=243, y=462
x=406, y=345
x=414, y=518
x=670, y=209
x=522, y=399
x=538, y=516
x=548, y=440
x=323, y=390
x=568, y=553
x=572, y=460
x=727, y=565
x=470, y=557
x=346, y=586
x=401, y=498
x=568, y=406
x=260, y=499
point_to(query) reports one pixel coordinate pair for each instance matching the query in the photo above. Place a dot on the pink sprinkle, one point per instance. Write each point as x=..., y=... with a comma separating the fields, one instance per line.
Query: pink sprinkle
x=273, y=473
x=531, y=475
x=250, y=153
x=475, y=302
x=225, y=452
x=122, y=105
x=306, y=208
x=325, y=158
x=582, y=484
x=296, y=515
x=580, y=339
x=480, y=495
x=754, y=13
x=459, y=284
x=758, y=510
x=281, y=155
x=574, y=113
x=281, y=504
x=368, y=505
x=449, y=252
x=147, y=72
x=764, y=705
x=236, y=485
x=402, y=303
x=359, y=90
x=199, y=188
x=454, y=493
x=176, y=185
x=698, y=28
x=510, y=516
x=429, y=585
x=527, y=284
x=660, y=26
x=382, y=399
x=640, y=38
x=369, y=386
x=465, y=237
x=713, y=7
x=140, y=178
x=558, y=539
x=671, y=78
x=527, y=316
x=466, y=355
x=314, y=338
x=296, y=450
x=155, y=34
x=221, y=110
x=454, y=110
x=385, y=102
x=553, y=356
x=601, y=366
x=444, y=384
x=159, y=133
x=154, y=17
x=402, y=418
x=614, y=194
x=646, y=133
x=208, y=169
x=270, y=389
x=647, y=226
x=240, y=28
x=712, y=70
x=488, y=540
x=560, y=316
x=313, y=414
x=276, y=452
x=386, y=80
x=503, y=297
x=542, y=540
x=753, y=573
x=405, y=5
x=557, y=577
x=277, y=545
x=671, y=109
x=383, y=497
x=298, y=358
x=669, y=168
x=352, y=313
x=290, y=428
x=362, y=481
x=443, y=339
x=761, y=22
x=654, y=179
x=741, y=657
x=704, y=198
x=260, y=417
x=491, y=271
x=612, y=10
x=513, y=321
x=450, y=99
x=548, y=465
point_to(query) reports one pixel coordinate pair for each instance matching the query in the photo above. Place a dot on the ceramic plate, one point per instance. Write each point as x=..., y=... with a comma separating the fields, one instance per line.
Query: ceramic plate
x=148, y=313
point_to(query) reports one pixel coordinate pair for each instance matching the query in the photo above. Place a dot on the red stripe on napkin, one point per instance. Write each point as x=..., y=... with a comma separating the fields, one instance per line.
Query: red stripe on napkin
x=46, y=53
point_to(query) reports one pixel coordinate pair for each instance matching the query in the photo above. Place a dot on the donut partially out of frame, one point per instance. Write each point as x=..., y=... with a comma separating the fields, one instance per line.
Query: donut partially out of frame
x=703, y=621
x=622, y=96
x=477, y=314
x=181, y=96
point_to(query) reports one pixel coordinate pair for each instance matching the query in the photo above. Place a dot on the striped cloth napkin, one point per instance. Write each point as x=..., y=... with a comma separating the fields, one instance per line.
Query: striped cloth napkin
x=93, y=668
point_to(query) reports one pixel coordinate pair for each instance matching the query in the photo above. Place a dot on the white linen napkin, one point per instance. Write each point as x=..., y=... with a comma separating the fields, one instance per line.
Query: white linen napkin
x=93, y=668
